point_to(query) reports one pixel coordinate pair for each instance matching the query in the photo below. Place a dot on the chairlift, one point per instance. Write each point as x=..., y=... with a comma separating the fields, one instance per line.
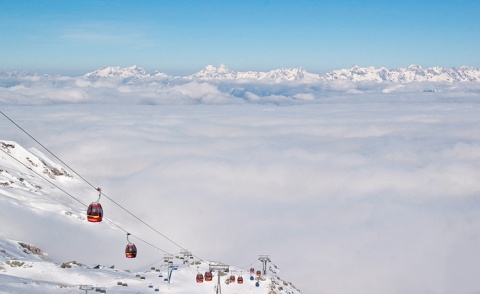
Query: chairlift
x=131, y=249
x=95, y=210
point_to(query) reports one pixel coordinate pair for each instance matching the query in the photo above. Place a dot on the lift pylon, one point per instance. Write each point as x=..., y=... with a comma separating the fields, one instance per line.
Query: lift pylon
x=264, y=259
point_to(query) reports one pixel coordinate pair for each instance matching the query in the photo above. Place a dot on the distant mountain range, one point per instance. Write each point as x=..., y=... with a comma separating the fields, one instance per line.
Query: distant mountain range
x=413, y=73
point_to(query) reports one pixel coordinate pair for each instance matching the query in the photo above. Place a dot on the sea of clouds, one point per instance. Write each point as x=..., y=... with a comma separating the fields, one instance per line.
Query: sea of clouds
x=45, y=90
x=349, y=187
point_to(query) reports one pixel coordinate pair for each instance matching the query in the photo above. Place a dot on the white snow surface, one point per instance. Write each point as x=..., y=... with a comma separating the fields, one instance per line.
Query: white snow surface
x=24, y=271
x=29, y=183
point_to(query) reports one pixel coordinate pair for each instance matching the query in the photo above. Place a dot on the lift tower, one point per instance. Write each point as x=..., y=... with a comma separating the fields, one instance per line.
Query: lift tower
x=186, y=255
x=264, y=259
x=220, y=268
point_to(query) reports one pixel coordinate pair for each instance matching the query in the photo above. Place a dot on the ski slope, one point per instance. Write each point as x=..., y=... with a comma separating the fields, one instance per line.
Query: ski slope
x=32, y=196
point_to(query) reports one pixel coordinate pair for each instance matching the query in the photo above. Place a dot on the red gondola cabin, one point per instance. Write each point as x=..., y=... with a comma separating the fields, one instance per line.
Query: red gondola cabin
x=131, y=251
x=95, y=212
x=208, y=276
x=199, y=278
x=240, y=280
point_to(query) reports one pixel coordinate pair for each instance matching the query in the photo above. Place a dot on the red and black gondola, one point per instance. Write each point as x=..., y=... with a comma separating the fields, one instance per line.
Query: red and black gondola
x=208, y=276
x=130, y=249
x=95, y=210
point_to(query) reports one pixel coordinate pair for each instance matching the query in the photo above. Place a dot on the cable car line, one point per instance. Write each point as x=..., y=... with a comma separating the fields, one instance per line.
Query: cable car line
x=70, y=195
x=29, y=168
x=86, y=181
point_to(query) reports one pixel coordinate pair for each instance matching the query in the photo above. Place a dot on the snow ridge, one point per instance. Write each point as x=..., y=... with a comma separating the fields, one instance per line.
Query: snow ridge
x=118, y=72
x=412, y=73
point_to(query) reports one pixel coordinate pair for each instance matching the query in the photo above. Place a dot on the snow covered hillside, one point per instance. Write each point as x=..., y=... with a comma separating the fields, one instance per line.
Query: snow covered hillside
x=40, y=205
x=24, y=268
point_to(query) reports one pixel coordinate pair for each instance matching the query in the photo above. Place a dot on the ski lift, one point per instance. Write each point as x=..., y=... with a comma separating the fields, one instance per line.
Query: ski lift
x=259, y=273
x=131, y=249
x=95, y=210
x=252, y=270
x=199, y=278
x=240, y=280
x=232, y=279
x=208, y=276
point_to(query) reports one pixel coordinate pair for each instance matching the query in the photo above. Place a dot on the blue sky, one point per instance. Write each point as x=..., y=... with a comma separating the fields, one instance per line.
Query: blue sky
x=182, y=37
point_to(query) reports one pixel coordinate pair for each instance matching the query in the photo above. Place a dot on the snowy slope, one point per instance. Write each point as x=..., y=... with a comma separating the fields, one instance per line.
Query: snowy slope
x=30, y=192
x=24, y=271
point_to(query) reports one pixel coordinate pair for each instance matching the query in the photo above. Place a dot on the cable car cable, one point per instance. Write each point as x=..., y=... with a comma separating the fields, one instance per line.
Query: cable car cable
x=86, y=181
x=55, y=185
x=29, y=168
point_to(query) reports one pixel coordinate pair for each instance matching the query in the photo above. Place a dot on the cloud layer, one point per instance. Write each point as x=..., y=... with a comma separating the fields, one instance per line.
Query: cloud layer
x=285, y=87
x=364, y=194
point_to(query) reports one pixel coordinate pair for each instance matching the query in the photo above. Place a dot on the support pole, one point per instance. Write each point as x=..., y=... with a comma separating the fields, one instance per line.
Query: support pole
x=220, y=268
x=218, y=288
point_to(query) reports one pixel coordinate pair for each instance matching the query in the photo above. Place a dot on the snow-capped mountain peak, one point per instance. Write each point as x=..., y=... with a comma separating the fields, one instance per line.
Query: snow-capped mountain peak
x=211, y=72
x=118, y=72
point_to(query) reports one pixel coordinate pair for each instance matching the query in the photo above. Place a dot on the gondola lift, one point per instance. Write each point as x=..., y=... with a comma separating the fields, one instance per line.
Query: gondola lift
x=131, y=249
x=95, y=210
x=208, y=276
